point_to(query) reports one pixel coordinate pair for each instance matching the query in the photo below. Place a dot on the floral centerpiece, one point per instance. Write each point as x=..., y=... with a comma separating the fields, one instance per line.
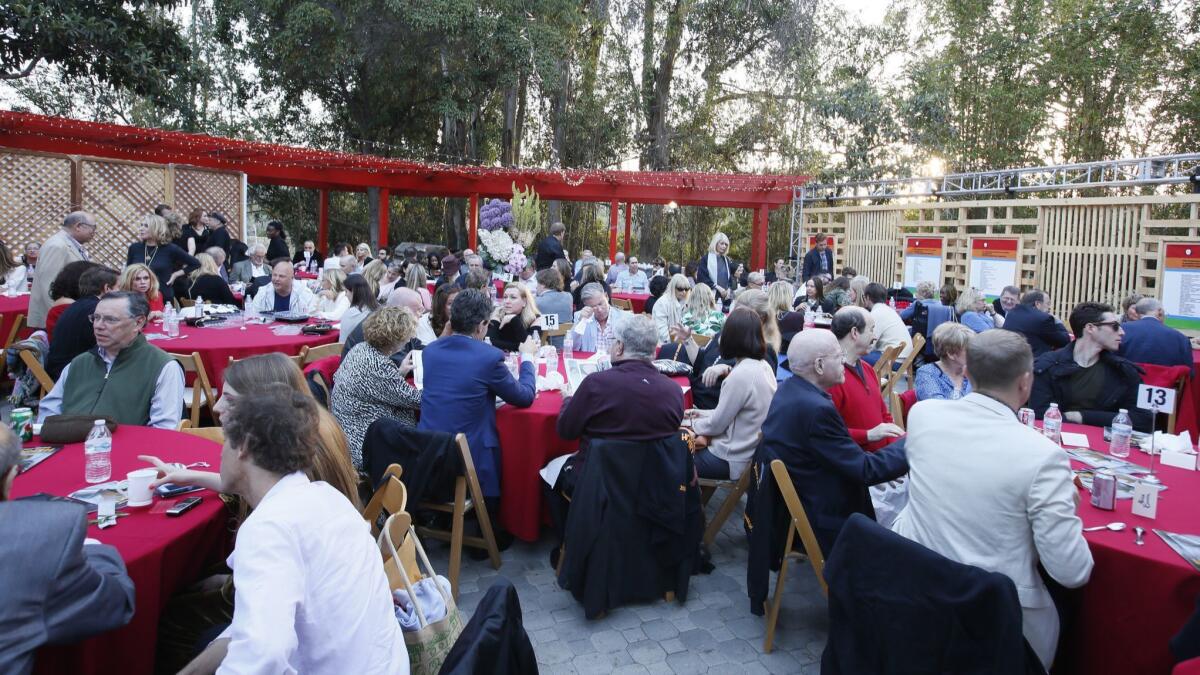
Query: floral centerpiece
x=502, y=243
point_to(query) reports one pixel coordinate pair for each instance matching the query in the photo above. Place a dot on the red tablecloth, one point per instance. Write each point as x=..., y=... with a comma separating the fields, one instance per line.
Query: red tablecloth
x=307, y=275
x=528, y=440
x=217, y=344
x=162, y=554
x=10, y=307
x=638, y=300
x=1138, y=596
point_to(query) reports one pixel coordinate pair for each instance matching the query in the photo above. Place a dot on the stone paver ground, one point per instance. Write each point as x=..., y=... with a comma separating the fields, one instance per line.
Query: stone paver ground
x=713, y=632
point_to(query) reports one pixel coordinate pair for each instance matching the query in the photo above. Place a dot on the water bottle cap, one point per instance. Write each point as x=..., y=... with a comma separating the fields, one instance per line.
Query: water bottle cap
x=1053, y=405
x=1123, y=411
x=98, y=423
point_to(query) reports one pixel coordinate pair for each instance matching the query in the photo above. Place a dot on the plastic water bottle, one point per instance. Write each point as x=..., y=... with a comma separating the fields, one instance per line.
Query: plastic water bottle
x=569, y=345
x=97, y=454
x=1052, y=424
x=1122, y=431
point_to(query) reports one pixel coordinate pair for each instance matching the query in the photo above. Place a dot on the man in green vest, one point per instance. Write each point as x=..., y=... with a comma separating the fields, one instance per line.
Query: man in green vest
x=124, y=377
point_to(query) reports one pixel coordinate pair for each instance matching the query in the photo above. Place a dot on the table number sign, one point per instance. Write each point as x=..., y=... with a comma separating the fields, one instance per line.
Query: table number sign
x=1156, y=399
x=549, y=321
x=1145, y=499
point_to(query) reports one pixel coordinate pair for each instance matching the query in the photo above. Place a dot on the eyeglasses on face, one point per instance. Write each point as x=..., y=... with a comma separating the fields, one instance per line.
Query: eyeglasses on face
x=106, y=319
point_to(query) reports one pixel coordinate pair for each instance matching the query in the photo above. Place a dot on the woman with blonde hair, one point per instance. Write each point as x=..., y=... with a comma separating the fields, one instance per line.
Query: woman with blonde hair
x=779, y=299
x=858, y=291
x=139, y=279
x=416, y=279
x=668, y=309
x=374, y=272
x=156, y=252
x=701, y=314
x=514, y=318
x=974, y=312
x=208, y=284
x=362, y=257
x=333, y=301
x=715, y=269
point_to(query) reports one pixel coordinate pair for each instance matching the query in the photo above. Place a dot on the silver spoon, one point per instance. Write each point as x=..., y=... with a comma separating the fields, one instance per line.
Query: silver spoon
x=1138, y=532
x=1115, y=527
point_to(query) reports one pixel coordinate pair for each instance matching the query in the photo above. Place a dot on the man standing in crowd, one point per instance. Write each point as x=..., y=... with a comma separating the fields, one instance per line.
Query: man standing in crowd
x=617, y=268
x=1022, y=516
x=58, y=586
x=857, y=397
x=1009, y=297
x=308, y=259
x=124, y=377
x=1087, y=379
x=1032, y=319
x=594, y=323
x=1149, y=340
x=804, y=429
x=819, y=260
x=218, y=233
x=253, y=267
x=284, y=294
x=77, y=336
x=65, y=246
x=551, y=248
x=632, y=277
x=463, y=377
x=312, y=595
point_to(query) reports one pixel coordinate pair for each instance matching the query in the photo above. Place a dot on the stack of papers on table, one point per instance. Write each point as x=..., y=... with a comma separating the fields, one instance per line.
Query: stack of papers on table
x=1186, y=545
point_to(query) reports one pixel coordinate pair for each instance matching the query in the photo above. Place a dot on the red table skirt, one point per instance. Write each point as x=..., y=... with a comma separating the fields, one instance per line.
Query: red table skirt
x=216, y=345
x=528, y=440
x=638, y=300
x=1138, y=597
x=10, y=307
x=162, y=555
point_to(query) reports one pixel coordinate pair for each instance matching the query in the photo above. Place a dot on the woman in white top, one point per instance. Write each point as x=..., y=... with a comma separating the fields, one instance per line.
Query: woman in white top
x=746, y=393
x=362, y=303
x=668, y=310
x=332, y=301
x=12, y=274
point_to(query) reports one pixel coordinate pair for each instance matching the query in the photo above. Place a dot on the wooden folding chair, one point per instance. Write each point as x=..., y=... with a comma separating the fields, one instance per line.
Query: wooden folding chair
x=214, y=434
x=905, y=369
x=799, y=525
x=17, y=327
x=883, y=367
x=298, y=359
x=623, y=303
x=708, y=487
x=458, y=510
x=39, y=373
x=561, y=331
x=391, y=497
x=181, y=303
x=319, y=352
x=200, y=394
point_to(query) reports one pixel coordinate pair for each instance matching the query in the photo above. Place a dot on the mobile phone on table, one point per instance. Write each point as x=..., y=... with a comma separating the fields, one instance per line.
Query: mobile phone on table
x=168, y=490
x=184, y=506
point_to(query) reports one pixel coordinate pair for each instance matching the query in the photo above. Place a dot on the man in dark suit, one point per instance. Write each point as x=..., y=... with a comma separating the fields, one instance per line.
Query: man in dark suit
x=819, y=260
x=463, y=377
x=58, y=586
x=1032, y=319
x=308, y=259
x=1009, y=297
x=551, y=248
x=803, y=428
x=1149, y=340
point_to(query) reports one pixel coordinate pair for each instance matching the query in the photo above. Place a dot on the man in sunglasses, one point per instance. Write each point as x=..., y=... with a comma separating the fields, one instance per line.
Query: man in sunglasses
x=1088, y=380
x=124, y=377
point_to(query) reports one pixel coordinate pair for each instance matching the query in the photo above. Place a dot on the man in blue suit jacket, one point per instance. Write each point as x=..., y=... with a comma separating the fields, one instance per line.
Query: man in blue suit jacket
x=1149, y=340
x=803, y=428
x=463, y=377
x=1031, y=319
x=812, y=260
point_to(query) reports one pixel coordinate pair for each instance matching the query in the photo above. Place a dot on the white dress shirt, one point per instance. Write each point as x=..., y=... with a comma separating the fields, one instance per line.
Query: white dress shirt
x=988, y=491
x=890, y=329
x=301, y=299
x=166, y=407
x=425, y=330
x=332, y=310
x=311, y=593
x=635, y=281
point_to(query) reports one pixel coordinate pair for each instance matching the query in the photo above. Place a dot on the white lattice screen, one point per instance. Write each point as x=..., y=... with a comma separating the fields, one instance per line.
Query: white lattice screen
x=210, y=191
x=118, y=195
x=34, y=193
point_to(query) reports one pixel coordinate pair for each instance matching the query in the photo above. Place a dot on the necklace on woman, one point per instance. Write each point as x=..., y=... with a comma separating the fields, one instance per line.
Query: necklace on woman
x=147, y=256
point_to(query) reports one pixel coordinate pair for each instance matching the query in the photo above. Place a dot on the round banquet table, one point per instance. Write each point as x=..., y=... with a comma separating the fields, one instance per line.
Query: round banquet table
x=638, y=300
x=217, y=343
x=10, y=307
x=1138, y=597
x=162, y=555
x=528, y=440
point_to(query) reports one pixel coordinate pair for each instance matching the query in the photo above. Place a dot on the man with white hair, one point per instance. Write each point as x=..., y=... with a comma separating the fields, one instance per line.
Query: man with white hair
x=594, y=323
x=1149, y=340
x=218, y=256
x=474, y=264
x=617, y=268
x=349, y=264
x=254, y=267
x=585, y=258
x=64, y=247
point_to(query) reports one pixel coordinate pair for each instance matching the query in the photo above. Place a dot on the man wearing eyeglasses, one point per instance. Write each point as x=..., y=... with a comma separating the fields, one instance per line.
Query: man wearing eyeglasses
x=1088, y=380
x=124, y=377
x=66, y=246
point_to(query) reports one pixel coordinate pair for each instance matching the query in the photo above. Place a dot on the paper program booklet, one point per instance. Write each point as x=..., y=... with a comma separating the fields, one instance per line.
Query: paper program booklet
x=1186, y=545
x=31, y=457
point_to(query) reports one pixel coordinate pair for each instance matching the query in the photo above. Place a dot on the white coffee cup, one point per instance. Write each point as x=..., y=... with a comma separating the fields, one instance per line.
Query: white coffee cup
x=139, y=492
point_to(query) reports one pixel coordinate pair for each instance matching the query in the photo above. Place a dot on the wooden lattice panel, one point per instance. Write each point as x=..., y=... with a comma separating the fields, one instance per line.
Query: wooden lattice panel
x=210, y=191
x=118, y=195
x=35, y=195
x=871, y=238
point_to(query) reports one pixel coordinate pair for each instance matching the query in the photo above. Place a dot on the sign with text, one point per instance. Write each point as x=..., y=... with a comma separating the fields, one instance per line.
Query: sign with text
x=1145, y=499
x=1151, y=397
x=923, y=260
x=1180, y=283
x=993, y=264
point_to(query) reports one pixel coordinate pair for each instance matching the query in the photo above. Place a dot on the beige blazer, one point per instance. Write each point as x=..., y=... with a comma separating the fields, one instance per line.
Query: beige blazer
x=56, y=253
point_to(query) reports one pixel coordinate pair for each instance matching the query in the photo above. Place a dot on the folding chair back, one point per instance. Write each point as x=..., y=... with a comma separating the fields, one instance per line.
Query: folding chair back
x=390, y=498
x=200, y=394
x=905, y=369
x=17, y=327
x=319, y=352
x=883, y=367
x=623, y=303
x=799, y=525
x=214, y=434
x=701, y=340
x=398, y=527
x=561, y=331
x=31, y=362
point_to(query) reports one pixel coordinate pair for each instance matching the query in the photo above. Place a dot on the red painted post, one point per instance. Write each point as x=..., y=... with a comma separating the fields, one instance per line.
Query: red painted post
x=473, y=221
x=323, y=221
x=385, y=216
x=760, y=242
x=612, y=229
x=628, y=225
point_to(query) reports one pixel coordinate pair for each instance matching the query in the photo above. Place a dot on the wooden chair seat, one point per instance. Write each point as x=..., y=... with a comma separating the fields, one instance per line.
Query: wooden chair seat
x=623, y=303
x=313, y=354
x=799, y=525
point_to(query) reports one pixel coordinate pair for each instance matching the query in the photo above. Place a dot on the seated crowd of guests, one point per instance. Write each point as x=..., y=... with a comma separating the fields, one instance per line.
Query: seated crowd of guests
x=766, y=384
